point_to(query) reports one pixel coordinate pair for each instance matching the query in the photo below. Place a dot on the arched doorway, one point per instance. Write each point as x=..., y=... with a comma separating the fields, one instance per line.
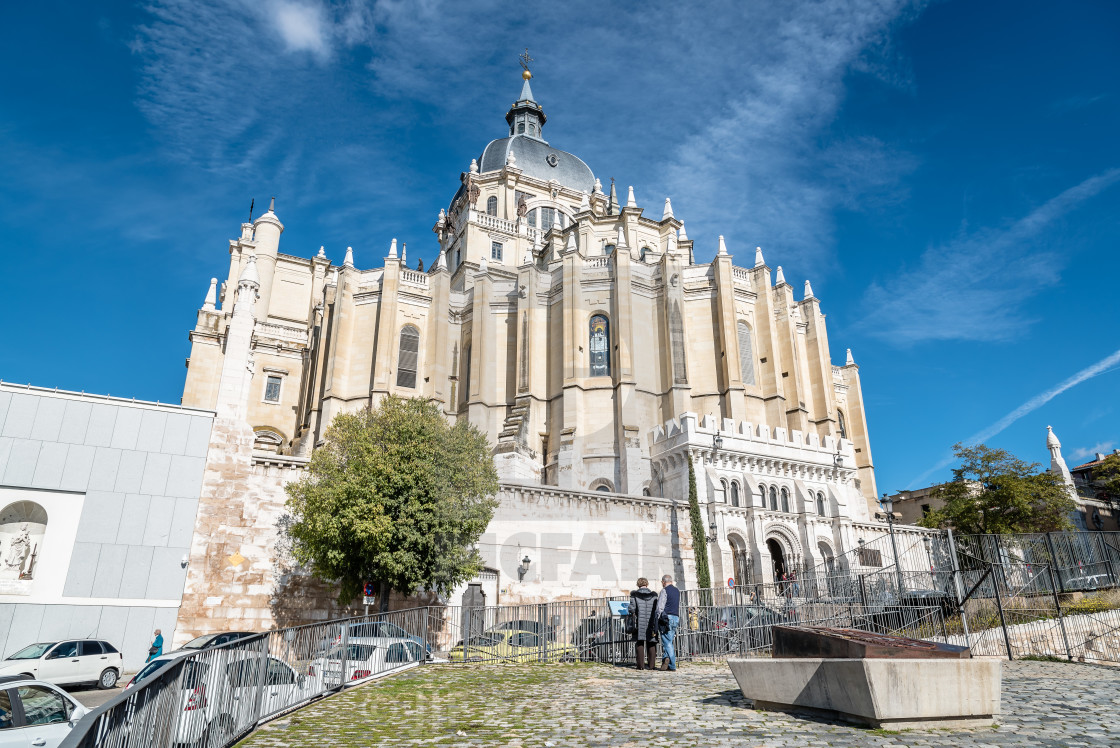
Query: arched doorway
x=740, y=561
x=777, y=557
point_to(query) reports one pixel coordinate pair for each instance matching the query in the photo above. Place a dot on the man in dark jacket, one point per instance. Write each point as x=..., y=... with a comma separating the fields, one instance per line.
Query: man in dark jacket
x=669, y=607
x=642, y=624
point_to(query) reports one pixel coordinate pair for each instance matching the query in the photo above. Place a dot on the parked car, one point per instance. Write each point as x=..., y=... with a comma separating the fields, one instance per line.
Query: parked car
x=35, y=713
x=1087, y=582
x=510, y=646
x=596, y=634
x=534, y=627
x=383, y=629
x=216, y=640
x=72, y=661
x=364, y=657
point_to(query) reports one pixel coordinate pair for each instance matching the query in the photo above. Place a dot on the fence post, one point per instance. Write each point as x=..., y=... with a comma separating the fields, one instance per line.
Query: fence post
x=427, y=634
x=1061, y=621
x=1002, y=620
x=959, y=587
x=1107, y=558
x=862, y=593
x=1054, y=561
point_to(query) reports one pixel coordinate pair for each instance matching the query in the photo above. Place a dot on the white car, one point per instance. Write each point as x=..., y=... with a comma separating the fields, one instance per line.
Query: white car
x=35, y=713
x=72, y=661
x=218, y=691
x=366, y=656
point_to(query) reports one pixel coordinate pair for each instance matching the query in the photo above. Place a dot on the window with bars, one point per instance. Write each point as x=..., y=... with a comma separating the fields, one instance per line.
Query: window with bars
x=408, y=356
x=746, y=353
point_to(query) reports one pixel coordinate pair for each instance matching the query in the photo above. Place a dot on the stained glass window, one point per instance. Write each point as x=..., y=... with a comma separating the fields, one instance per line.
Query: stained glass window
x=600, y=346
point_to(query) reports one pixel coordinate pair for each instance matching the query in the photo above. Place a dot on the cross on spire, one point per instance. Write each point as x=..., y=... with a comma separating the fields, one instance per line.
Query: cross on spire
x=525, y=59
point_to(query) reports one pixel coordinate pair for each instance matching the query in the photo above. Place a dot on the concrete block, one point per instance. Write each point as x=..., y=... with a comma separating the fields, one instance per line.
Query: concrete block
x=185, y=476
x=57, y=620
x=175, y=433
x=110, y=567
x=27, y=620
x=152, y=423
x=138, y=637
x=75, y=422
x=112, y=624
x=130, y=473
x=158, y=527
x=5, y=401
x=86, y=623
x=101, y=516
x=103, y=474
x=198, y=436
x=21, y=415
x=6, y=443
x=137, y=569
x=49, y=466
x=20, y=470
x=182, y=522
x=126, y=430
x=83, y=566
x=899, y=694
x=167, y=574
x=102, y=420
x=134, y=518
x=156, y=467
x=79, y=465
x=7, y=612
x=48, y=419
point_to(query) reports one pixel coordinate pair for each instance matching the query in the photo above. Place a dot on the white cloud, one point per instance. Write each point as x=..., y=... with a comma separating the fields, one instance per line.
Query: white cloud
x=974, y=288
x=1089, y=453
x=302, y=26
x=1106, y=364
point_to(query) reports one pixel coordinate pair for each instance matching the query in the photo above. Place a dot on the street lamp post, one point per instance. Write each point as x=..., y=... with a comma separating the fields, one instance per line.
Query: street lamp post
x=888, y=507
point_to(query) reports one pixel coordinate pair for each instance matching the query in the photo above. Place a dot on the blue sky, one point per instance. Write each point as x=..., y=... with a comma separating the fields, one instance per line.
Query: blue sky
x=946, y=174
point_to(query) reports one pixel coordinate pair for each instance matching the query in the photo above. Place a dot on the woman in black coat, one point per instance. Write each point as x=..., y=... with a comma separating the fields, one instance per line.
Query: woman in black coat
x=641, y=623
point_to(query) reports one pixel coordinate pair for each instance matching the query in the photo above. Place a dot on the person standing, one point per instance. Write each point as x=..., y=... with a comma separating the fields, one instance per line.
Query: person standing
x=642, y=624
x=156, y=649
x=668, y=617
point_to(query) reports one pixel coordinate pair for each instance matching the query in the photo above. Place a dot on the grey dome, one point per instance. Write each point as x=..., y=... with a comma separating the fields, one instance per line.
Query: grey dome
x=535, y=158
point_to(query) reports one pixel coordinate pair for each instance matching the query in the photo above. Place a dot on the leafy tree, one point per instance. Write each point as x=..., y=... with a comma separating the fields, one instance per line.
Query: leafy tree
x=396, y=496
x=993, y=491
x=699, y=538
x=1106, y=476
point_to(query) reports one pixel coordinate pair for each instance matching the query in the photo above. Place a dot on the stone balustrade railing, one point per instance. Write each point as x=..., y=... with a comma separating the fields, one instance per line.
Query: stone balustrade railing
x=499, y=224
x=414, y=277
x=281, y=332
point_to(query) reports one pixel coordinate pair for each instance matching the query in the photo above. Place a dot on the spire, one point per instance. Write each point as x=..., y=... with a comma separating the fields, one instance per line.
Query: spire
x=272, y=205
x=348, y=262
x=441, y=261
x=393, y=250
x=781, y=277
x=668, y=210
x=758, y=261
x=621, y=240
x=525, y=116
x=250, y=275
x=1057, y=462
x=682, y=235
x=1052, y=442
x=584, y=202
x=612, y=202
x=630, y=201
x=808, y=290
x=722, y=246
x=526, y=92
x=404, y=254
x=850, y=361
x=211, y=296
x=571, y=245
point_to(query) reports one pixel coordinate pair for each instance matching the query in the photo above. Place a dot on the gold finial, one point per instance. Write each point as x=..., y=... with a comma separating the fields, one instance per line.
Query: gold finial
x=525, y=59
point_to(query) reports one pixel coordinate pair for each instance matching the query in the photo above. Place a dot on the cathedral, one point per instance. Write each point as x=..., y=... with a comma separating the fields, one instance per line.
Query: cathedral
x=578, y=331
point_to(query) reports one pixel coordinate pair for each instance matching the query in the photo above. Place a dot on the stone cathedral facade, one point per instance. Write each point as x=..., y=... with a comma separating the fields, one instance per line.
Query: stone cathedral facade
x=581, y=334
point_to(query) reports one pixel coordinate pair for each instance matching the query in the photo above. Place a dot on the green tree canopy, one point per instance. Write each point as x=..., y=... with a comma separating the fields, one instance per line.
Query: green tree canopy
x=993, y=491
x=1107, y=476
x=396, y=496
x=699, y=537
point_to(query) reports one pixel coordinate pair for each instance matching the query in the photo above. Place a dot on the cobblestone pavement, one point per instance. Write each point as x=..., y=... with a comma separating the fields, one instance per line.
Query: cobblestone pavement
x=1044, y=704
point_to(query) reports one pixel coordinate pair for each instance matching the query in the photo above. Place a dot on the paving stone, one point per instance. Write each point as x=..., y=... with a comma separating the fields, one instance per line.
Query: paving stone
x=1044, y=704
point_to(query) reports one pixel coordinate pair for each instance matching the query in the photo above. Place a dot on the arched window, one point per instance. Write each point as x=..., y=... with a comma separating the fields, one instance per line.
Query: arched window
x=608, y=249
x=734, y=493
x=785, y=500
x=407, y=357
x=843, y=426
x=491, y=206
x=532, y=129
x=722, y=498
x=467, y=373
x=746, y=353
x=820, y=505
x=773, y=499
x=520, y=128
x=762, y=496
x=600, y=344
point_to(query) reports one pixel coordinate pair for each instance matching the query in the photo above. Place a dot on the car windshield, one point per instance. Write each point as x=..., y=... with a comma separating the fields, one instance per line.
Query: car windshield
x=32, y=652
x=360, y=652
x=199, y=642
x=148, y=669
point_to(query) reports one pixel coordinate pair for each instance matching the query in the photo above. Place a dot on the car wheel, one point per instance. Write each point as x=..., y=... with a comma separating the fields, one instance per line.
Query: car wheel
x=108, y=678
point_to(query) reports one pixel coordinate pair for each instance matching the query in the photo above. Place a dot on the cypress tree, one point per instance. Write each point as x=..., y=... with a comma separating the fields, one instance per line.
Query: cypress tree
x=699, y=538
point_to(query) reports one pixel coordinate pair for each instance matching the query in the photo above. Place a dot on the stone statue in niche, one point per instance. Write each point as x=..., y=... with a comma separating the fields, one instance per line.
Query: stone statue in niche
x=18, y=551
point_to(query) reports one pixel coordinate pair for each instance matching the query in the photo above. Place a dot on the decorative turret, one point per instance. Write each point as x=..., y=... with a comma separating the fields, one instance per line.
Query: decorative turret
x=211, y=296
x=808, y=291
x=1057, y=462
x=630, y=201
x=781, y=280
x=525, y=116
x=668, y=212
x=620, y=241
x=392, y=249
x=682, y=235
x=758, y=261
x=849, y=361
x=348, y=262
x=612, y=201
x=722, y=251
x=266, y=234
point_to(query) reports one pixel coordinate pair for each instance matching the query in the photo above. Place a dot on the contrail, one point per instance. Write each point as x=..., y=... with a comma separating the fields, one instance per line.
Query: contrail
x=1029, y=406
